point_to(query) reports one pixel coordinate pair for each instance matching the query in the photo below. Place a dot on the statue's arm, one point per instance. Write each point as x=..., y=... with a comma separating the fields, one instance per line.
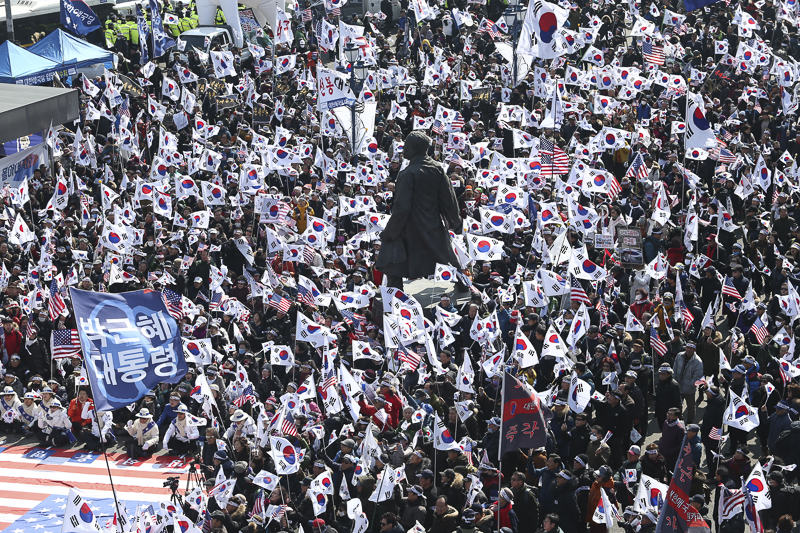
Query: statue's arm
x=401, y=207
x=448, y=205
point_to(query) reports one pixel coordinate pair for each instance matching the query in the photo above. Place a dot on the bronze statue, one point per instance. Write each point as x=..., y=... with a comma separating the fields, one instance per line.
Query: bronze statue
x=424, y=210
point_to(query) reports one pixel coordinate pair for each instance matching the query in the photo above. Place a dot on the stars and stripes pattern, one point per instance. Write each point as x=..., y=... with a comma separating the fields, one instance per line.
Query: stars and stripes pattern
x=723, y=155
x=216, y=300
x=308, y=254
x=307, y=15
x=65, y=343
x=553, y=159
x=458, y=121
x=412, y=359
x=124, y=110
x=487, y=26
x=614, y=188
x=731, y=502
x=438, y=127
x=352, y=318
x=288, y=426
x=715, y=434
x=248, y=396
x=638, y=169
x=652, y=53
x=687, y=316
x=36, y=482
x=728, y=289
x=656, y=343
x=759, y=329
x=577, y=294
x=276, y=301
x=56, y=305
x=173, y=302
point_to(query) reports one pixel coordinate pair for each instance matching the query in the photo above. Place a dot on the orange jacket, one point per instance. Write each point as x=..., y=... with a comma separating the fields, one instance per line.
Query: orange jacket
x=594, y=497
x=76, y=409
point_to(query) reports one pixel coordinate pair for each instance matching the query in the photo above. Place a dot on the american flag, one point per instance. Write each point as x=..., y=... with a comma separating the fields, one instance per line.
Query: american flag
x=759, y=329
x=288, y=426
x=726, y=135
x=438, y=127
x=206, y=521
x=335, y=12
x=728, y=289
x=216, y=300
x=308, y=255
x=248, y=396
x=488, y=26
x=554, y=160
x=656, y=343
x=29, y=331
x=638, y=169
x=306, y=296
x=279, y=510
x=652, y=53
x=65, y=343
x=352, y=318
x=614, y=188
x=279, y=302
x=731, y=501
x=687, y=316
x=173, y=302
x=329, y=380
x=458, y=121
x=412, y=358
x=722, y=155
x=56, y=305
x=603, y=310
x=124, y=110
x=577, y=294
x=307, y=15
x=258, y=505
x=715, y=434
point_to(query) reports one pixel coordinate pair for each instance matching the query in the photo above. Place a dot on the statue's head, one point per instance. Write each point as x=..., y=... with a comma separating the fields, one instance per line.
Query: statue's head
x=416, y=144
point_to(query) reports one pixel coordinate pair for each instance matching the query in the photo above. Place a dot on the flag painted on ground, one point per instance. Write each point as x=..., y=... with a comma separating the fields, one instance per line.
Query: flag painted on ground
x=35, y=483
x=524, y=417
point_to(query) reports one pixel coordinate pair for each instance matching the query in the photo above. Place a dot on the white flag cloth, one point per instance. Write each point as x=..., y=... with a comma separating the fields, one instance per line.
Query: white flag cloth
x=698, y=131
x=579, y=394
x=21, y=233
x=604, y=513
x=441, y=436
x=284, y=455
x=78, y=515
x=756, y=484
x=740, y=415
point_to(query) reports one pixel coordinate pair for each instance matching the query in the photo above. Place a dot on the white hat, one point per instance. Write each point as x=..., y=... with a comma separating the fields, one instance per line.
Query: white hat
x=144, y=413
x=238, y=416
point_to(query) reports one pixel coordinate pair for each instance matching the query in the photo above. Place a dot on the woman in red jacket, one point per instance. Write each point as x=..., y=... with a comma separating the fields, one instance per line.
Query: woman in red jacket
x=641, y=304
x=76, y=412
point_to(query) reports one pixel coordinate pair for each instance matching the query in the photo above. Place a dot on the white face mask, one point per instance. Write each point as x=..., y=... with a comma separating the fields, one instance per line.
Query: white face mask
x=593, y=437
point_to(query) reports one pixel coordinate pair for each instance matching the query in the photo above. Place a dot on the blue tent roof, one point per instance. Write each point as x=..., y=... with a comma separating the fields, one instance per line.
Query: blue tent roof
x=17, y=65
x=69, y=51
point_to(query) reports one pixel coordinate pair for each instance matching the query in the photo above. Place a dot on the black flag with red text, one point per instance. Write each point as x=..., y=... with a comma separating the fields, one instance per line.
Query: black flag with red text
x=524, y=417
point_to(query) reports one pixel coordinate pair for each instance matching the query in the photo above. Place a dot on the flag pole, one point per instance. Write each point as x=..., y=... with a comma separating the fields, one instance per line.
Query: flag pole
x=500, y=440
x=100, y=429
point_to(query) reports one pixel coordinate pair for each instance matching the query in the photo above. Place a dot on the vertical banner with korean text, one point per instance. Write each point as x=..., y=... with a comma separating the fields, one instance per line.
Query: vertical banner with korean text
x=130, y=344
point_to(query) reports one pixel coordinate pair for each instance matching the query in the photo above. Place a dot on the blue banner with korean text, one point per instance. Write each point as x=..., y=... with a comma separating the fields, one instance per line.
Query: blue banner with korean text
x=130, y=344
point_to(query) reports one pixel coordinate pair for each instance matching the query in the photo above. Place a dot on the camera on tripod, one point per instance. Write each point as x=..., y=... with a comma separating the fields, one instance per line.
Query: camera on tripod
x=172, y=483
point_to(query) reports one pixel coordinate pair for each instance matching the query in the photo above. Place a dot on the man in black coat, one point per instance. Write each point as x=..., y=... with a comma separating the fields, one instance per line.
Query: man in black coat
x=783, y=500
x=619, y=423
x=712, y=418
x=668, y=393
x=424, y=196
x=566, y=502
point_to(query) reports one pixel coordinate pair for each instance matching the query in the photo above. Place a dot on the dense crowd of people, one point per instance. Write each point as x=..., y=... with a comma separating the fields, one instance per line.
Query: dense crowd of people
x=600, y=242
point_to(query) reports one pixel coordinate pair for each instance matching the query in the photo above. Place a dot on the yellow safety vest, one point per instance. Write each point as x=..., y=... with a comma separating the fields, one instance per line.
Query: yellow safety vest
x=124, y=30
x=220, y=17
x=133, y=28
x=111, y=38
x=186, y=24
